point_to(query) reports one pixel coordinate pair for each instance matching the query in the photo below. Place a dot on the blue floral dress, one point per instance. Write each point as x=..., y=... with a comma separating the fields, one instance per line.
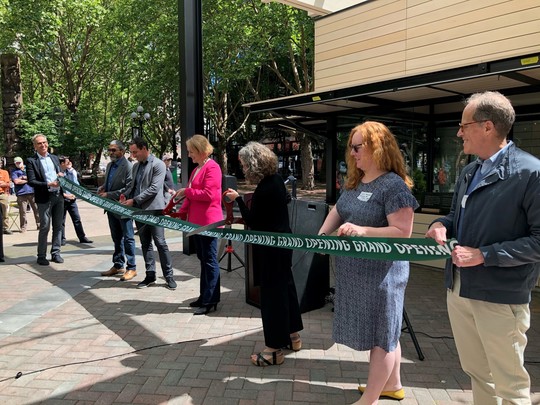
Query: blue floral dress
x=370, y=293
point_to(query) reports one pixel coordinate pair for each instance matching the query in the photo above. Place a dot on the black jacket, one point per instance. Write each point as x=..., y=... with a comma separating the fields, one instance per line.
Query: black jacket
x=37, y=179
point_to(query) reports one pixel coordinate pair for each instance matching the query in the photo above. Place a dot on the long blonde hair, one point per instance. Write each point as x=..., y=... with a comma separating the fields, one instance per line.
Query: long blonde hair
x=386, y=154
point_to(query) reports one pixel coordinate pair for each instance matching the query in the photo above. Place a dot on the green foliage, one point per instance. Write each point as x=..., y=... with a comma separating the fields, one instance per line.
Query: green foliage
x=40, y=117
x=252, y=51
x=94, y=61
x=420, y=184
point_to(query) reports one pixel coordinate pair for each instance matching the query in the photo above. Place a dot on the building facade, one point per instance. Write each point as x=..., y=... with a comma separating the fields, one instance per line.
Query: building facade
x=411, y=64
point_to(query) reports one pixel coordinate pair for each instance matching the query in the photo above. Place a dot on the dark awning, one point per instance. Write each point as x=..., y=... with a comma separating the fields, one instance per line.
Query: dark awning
x=432, y=96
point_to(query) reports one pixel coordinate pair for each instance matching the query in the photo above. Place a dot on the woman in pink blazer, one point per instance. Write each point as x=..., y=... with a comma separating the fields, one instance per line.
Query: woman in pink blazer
x=202, y=206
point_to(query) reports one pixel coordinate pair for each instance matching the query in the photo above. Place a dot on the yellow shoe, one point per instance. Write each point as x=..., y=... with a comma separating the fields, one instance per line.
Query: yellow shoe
x=399, y=394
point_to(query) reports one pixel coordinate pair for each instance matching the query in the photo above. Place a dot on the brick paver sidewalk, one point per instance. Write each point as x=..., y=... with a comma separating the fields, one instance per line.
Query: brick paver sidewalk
x=79, y=338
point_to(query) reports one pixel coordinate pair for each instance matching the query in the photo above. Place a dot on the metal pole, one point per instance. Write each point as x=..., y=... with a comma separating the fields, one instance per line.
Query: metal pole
x=191, y=92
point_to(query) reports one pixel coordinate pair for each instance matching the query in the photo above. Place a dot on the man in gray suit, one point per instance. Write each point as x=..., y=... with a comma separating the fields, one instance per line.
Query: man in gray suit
x=117, y=180
x=146, y=192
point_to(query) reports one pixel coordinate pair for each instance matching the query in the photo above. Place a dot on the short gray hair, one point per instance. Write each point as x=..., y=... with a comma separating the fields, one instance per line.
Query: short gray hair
x=493, y=106
x=37, y=136
x=258, y=161
x=118, y=143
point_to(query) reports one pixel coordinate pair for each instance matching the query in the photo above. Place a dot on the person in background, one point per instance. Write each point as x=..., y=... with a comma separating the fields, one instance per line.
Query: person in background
x=117, y=181
x=43, y=170
x=24, y=193
x=5, y=185
x=169, y=189
x=280, y=310
x=377, y=202
x=495, y=217
x=70, y=203
x=202, y=206
x=441, y=178
x=146, y=192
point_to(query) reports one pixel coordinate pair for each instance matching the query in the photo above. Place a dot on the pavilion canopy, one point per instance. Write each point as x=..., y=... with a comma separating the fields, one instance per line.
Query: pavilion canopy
x=434, y=96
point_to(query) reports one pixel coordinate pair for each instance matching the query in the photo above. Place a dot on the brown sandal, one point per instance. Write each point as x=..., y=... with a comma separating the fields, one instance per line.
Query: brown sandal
x=262, y=359
x=296, y=343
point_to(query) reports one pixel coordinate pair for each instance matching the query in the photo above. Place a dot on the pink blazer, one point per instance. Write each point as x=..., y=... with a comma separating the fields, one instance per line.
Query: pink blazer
x=202, y=205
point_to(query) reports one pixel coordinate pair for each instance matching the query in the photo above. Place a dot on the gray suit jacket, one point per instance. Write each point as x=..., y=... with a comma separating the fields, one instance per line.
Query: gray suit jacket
x=121, y=180
x=151, y=196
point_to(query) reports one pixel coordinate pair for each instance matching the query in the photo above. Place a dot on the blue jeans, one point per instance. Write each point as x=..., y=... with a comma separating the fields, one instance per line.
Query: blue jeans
x=147, y=233
x=210, y=273
x=50, y=213
x=123, y=237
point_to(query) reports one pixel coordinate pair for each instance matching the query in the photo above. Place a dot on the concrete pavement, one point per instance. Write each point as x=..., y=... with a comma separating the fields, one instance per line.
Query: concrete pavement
x=78, y=338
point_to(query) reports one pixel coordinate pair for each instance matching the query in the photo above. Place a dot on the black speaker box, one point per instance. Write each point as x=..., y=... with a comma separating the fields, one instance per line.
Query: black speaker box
x=310, y=271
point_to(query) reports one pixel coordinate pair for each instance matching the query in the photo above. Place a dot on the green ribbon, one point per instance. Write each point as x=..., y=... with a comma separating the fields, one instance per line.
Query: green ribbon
x=413, y=249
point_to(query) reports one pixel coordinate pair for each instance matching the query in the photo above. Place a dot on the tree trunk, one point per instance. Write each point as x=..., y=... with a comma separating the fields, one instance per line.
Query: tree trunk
x=306, y=158
x=221, y=153
x=11, y=104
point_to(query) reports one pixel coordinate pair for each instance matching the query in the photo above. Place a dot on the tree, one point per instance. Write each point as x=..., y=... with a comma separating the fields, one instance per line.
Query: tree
x=252, y=51
x=91, y=62
x=289, y=42
x=96, y=60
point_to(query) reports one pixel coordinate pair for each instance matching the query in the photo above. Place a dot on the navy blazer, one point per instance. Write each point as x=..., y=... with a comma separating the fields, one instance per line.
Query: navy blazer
x=37, y=179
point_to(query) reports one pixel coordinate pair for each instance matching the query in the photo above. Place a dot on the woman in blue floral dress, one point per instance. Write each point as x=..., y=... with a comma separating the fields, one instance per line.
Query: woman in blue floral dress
x=377, y=202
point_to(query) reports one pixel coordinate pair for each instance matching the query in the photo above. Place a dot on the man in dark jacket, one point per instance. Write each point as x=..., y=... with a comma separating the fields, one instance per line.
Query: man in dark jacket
x=495, y=217
x=43, y=169
x=117, y=180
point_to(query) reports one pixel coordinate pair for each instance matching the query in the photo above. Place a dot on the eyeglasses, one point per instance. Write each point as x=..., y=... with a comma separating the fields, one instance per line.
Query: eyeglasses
x=356, y=147
x=112, y=150
x=462, y=126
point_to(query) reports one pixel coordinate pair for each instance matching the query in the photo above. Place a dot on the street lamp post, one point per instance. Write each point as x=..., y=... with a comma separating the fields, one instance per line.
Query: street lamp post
x=138, y=117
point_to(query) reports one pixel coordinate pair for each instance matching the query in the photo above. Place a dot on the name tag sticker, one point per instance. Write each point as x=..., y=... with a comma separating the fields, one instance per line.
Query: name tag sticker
x=364, y=196
x=464, y=201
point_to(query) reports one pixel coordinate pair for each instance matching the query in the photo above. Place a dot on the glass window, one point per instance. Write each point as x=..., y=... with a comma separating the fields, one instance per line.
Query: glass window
x=448, y=160
x=526, y=136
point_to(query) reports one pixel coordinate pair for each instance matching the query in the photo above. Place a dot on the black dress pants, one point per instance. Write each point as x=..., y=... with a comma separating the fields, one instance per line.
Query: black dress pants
x=70, y=206
x=280, y=311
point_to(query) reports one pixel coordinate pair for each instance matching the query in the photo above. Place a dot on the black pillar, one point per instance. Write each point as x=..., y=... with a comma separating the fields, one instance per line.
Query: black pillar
x=330, y=151
x=191, y=92
x=431, y=135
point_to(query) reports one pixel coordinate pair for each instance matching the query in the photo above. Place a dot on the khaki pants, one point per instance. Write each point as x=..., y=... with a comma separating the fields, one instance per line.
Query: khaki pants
x=491, y=341
x=4, y=200
x=25, y=201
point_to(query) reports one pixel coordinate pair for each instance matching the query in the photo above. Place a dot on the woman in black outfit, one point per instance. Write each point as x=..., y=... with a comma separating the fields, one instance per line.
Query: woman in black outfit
x=280, y=311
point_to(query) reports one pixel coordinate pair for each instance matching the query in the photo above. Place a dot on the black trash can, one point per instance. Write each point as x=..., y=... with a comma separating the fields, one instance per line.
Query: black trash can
x=311, y=271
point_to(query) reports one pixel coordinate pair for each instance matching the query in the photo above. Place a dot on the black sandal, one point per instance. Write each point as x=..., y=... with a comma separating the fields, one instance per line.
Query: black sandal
x=261, y=361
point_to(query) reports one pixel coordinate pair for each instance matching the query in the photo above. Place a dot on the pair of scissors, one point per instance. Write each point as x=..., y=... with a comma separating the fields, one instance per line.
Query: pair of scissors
x=229, y=218
x=168, y=210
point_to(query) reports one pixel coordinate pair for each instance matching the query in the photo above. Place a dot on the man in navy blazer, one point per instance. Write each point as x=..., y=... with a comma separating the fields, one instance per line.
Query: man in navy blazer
x=43, y=170
x=146, y=193
x=117, y=180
